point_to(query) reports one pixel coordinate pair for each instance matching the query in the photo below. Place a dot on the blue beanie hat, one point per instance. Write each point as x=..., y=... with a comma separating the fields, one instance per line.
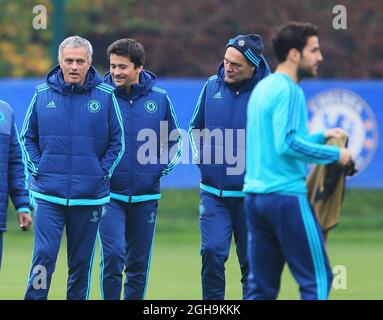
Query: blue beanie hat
x=251, y=46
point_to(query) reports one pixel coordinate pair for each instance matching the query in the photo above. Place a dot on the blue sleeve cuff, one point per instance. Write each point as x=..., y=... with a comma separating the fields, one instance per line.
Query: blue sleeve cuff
x=318, y=137
x=19, y=210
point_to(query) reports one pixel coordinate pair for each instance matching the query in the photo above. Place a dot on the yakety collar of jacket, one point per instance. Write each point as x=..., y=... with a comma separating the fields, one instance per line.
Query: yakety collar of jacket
x=55, y=80
x=147, y=80
x=247, y=84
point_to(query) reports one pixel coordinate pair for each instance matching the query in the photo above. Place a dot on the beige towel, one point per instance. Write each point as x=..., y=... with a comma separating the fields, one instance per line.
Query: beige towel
x=325, y=186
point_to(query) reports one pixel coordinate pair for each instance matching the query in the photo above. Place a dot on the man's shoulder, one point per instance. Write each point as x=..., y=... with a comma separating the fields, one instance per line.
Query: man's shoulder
x=42, y=87
x=104, y=87
x=276, y=84
x=6, y=112
x=159, y=96
x=5, y=107
x=213, y=78
x=214, y=82
x=277, y=79
x=159, y=91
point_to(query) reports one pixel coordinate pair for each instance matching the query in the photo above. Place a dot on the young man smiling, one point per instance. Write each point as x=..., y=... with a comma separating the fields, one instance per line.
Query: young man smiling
x=127, y=230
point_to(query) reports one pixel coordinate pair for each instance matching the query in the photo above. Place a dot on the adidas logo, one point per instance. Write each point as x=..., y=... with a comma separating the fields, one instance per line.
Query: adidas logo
x=152, y=218
x=218, y=95
x=51, y=105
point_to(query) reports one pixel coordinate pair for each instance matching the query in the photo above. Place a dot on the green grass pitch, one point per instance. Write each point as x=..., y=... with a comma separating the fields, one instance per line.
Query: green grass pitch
x=356, y=245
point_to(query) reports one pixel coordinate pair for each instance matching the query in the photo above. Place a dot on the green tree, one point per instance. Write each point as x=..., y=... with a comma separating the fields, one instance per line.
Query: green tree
x=22, y=48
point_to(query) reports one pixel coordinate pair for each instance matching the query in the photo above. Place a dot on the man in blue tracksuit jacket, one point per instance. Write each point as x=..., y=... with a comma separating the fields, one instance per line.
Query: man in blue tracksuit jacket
x=13, y=175
x=221, y=113
x=153, y=147
x=73, y=139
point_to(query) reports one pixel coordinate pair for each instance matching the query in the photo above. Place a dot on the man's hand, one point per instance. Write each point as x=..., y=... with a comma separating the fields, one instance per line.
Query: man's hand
x=336, y=133
x=349, y=169
x=345, y=156
x=25, y=221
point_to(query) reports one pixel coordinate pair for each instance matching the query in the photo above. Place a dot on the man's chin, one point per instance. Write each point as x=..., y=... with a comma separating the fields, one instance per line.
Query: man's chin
x=229, y=80
x=120, y=83
x=306, y=74
x=74, y=81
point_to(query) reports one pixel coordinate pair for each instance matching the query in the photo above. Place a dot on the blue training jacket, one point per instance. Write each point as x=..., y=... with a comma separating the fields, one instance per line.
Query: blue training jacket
x=149, y=153
x=13, y=173
x=73, y=139
x=222, y=106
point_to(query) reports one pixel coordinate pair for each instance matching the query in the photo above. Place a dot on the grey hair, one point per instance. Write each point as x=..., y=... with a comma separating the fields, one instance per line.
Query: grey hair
x=76, y=42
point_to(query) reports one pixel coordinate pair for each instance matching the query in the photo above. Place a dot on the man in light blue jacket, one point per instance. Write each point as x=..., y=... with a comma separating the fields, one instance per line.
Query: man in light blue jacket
x=281, y=224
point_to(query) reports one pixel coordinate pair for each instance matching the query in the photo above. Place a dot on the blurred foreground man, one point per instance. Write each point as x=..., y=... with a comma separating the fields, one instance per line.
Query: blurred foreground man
x=281, y=223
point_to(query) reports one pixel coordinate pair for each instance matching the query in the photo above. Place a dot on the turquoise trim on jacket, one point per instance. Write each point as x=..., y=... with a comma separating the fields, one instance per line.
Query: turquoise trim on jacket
x=19, y=210
x=133, y=199
x=222, y=193
x=31, y=166
x=71, y=202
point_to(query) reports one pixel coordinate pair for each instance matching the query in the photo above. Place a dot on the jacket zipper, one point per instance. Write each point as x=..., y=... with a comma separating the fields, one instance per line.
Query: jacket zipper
x=131, y=148
x=70, y=145
x=234, y=110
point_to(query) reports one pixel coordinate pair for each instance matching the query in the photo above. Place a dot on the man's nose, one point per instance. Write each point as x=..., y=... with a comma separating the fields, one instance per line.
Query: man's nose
x=74, y=66
x=320, y=57
x=117, y=70
x=228, y=67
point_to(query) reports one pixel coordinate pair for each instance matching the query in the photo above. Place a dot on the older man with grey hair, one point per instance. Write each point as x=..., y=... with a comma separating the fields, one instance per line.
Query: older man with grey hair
x=72, y=139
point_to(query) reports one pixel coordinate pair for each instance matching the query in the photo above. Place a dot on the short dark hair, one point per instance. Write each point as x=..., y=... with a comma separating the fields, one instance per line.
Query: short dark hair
x=292, y=35
x=129, y=48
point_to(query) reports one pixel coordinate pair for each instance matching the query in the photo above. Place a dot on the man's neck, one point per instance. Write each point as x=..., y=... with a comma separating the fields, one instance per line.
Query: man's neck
x=129, y=86
x=288, y=69
x=128, y=89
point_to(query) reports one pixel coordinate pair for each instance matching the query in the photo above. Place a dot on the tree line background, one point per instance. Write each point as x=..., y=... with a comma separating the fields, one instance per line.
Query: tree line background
x=187, y=38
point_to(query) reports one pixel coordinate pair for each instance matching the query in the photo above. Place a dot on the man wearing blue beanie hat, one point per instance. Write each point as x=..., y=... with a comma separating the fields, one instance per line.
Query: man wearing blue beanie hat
x=251, y=46
x=221, y=113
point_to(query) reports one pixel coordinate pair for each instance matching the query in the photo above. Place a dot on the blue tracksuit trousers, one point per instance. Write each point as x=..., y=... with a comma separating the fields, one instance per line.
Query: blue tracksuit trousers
x=220, y=218
x=127, y=236
x=283, y=228
x=1, y=247
x=81, y=223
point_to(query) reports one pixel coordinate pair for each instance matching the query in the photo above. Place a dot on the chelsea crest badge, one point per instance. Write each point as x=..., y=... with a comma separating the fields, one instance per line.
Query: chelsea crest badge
x=347, y=110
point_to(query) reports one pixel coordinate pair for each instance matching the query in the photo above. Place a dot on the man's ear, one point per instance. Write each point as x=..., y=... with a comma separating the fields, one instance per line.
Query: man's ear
x=294, y=55
x=140, y=68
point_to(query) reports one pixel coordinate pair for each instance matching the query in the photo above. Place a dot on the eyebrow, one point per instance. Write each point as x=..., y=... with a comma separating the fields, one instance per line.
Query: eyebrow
x=315, y=48
x=71, y=59
x=233, y=63
x=121, y=65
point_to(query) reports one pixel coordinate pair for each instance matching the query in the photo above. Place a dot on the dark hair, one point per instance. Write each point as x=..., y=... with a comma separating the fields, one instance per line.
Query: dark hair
x=129, y=48
x=292, y=35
